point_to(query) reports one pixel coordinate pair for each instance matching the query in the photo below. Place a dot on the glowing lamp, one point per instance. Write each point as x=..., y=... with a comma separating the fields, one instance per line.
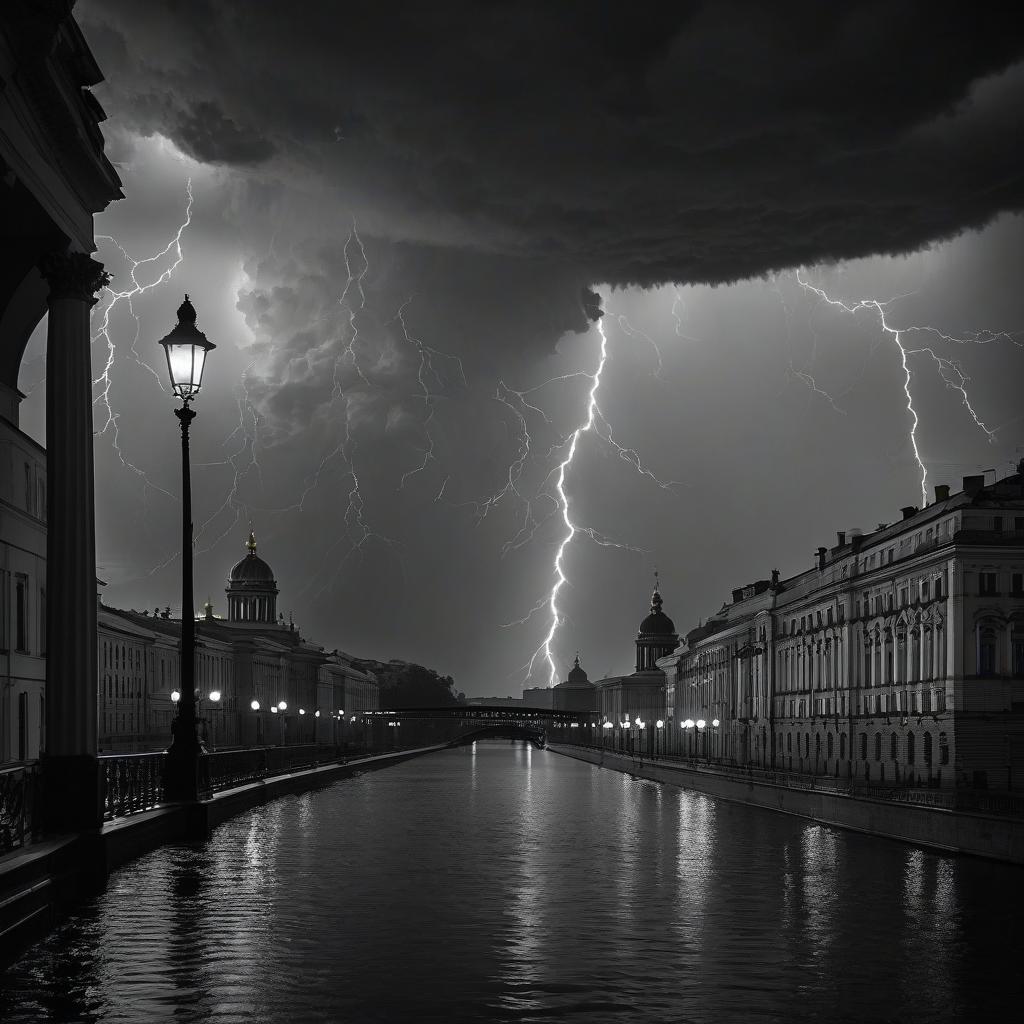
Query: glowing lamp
x=186, y=347
x=316, y=714
x=282, y=705
x=175, y=696
x=273, y=709
x=215, y=695
x=302, y=711
x=714, y=722
x=701, y=723
x=607, y=725
x=255, y=705
x=660, y=724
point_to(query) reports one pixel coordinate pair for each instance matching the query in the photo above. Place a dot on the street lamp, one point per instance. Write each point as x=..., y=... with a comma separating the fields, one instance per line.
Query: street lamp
x=186, y=348
x=254, y=704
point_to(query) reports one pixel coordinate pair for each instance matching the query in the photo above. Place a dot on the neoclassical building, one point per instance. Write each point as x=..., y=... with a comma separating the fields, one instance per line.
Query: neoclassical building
x=641, y=695
x=54, y=177
x=248, y=665
x=897, y=659
x=576, y=693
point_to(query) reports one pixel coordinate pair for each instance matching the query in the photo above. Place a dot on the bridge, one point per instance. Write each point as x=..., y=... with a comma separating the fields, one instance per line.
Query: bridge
x=459, y=724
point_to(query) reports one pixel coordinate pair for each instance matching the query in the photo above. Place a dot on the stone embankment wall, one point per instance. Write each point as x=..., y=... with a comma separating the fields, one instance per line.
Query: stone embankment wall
x=1000, y=838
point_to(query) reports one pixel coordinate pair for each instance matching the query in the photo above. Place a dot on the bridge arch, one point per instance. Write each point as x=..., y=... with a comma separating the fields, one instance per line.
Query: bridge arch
x=504, y=730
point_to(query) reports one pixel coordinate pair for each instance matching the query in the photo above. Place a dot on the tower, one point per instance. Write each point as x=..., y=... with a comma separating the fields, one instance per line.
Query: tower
x=252, y=589
x=657, y=635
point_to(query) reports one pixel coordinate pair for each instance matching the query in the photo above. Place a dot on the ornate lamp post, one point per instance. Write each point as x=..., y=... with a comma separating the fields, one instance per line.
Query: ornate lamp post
x=186, y=348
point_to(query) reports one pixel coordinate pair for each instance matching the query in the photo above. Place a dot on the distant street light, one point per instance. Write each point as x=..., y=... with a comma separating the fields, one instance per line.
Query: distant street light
x=255, y=705
x=186, y=348
x=215, y=696
x=175, y=696
x=282, y=705
x=273, y=709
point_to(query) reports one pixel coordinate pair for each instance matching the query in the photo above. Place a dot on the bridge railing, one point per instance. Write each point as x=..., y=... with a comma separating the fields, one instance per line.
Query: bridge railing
x=20, y=803
x=134, y=782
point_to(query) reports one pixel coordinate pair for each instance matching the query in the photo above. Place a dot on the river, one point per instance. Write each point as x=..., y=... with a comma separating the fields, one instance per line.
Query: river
x=503, y=883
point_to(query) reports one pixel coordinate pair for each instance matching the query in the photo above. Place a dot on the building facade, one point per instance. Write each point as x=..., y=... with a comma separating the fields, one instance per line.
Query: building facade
x=259, y=681
x=640, y=697
x=898, y=659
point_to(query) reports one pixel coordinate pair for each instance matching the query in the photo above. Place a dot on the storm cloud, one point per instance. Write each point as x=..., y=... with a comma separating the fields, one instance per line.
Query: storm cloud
x=631, y=143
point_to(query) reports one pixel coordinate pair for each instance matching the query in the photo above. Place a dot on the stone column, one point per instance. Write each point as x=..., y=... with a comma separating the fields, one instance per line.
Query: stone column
x=73, y=797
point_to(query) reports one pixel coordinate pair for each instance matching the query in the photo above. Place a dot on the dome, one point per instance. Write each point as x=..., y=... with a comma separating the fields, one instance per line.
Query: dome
x=657, y=623
x=252, y=569
x=577, y=676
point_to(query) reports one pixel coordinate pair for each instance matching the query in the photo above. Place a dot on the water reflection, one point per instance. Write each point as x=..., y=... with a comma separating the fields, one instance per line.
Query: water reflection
x=503, y=883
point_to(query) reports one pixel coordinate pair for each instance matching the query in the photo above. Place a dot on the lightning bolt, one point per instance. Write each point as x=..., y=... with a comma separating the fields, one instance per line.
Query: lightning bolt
x=949, y=370
x=425, y=369
x=127, y=296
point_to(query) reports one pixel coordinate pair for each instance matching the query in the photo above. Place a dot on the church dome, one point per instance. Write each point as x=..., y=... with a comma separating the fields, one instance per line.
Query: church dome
x=577, y=676
x=657, y=623
x=252, y=568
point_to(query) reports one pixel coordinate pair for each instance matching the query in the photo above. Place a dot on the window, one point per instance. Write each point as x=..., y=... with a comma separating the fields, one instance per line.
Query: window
x=829, y=746
x=997, y=524
x=986, y=583
x=1017, y=584
x=910, y=748
x=22, y=726
x=943, y=748
x=878, y=746
x=894, y=748
x=842, y=746
x=28, y=487
x=904, y=597
x=987, y=652
x=927, y=748
x=938, y=589
x=1018, y=658
x=42, y=620
x=789, y=743
x=924, y=590
x=1018, y=524
x=830, y=616
x=863, y=746
x=21, y=613
x=5, y=590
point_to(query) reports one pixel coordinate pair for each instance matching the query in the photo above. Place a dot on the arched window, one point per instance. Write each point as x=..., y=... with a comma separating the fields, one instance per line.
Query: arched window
x=807, y=744
x=943, y=748
x=987, y=651
x=817, y=746
x=863, y=746
x=927, y=748
x=878, y=746
x=894, y=747
x=829, y=746
x=842, y=746
x=910, y=748
x=789, y=743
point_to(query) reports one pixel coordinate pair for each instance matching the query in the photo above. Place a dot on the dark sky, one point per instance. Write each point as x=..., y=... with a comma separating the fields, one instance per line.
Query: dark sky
x=498, y=160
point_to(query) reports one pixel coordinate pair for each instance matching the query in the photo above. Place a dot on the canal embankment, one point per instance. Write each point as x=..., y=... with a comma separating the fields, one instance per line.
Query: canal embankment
x=41, y=882
x=993, y=836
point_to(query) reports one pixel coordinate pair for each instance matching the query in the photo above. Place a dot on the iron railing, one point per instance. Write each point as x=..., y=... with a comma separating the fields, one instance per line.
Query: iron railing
x=134, y=782
x=19, y=805
x=970, y=800
x=131, y=783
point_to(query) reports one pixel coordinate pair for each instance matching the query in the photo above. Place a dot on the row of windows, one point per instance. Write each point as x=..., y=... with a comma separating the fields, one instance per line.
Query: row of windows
x=988, y=584
x=19, y=631
x=910, y=747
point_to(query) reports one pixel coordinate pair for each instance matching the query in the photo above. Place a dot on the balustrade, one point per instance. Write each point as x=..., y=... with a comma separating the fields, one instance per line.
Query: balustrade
x=19, y=805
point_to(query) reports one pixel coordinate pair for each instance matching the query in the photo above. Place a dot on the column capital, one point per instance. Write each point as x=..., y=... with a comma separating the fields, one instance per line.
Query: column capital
x=73, y=275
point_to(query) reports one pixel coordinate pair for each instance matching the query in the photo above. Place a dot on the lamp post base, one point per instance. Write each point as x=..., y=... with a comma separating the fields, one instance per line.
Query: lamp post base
x=186, y=779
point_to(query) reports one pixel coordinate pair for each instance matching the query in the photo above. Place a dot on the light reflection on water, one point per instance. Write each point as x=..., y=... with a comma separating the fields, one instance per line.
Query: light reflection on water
x=501, y=883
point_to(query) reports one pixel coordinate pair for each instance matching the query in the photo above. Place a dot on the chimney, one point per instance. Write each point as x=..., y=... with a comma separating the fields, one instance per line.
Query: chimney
x=973, y=484
x=909, y=511
x=840, y=538
x=821, y=557
x=856, y=539
x=941, y=492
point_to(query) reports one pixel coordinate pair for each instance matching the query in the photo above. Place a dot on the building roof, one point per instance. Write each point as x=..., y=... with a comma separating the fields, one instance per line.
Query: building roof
x=252, y=569
x=577, y=678
x=657, y=623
